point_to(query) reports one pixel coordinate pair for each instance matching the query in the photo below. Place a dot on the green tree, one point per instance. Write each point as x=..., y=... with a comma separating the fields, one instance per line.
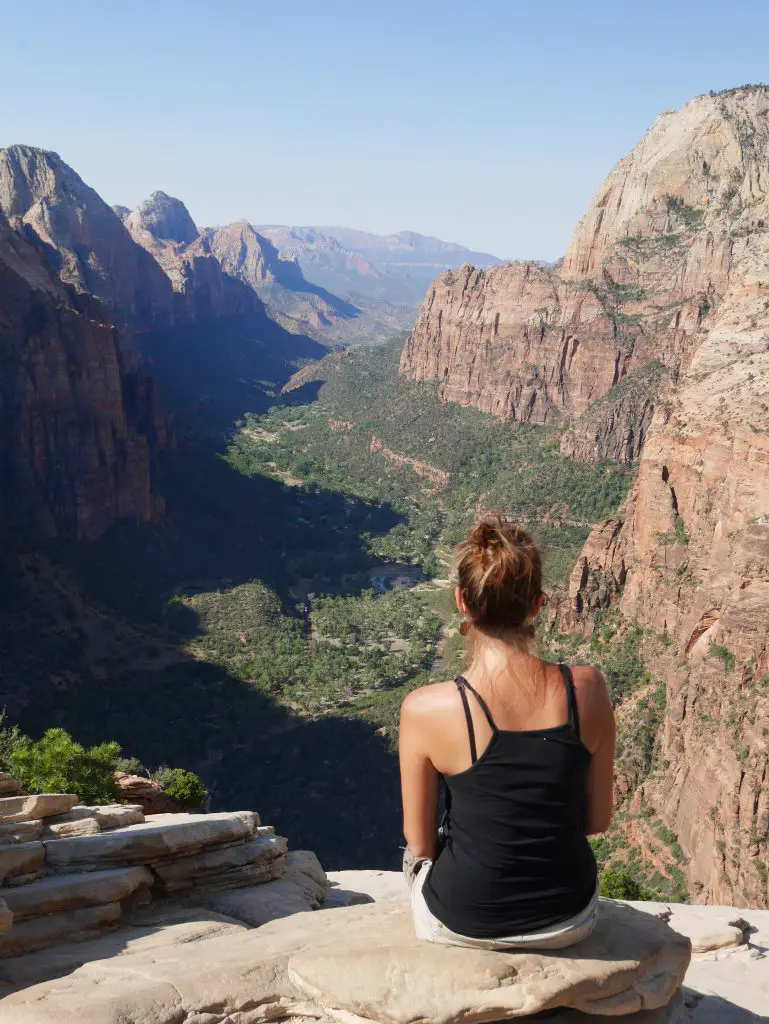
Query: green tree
x=57, y=764
x=619, y=884
x=183, y=786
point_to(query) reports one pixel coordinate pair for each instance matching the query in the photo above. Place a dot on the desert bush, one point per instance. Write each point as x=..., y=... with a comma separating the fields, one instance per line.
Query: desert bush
x=58, y=764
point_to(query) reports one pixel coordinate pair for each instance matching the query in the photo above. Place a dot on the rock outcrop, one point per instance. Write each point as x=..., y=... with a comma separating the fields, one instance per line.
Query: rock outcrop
x=692, y=547
x=278, y=279
x=80, y=420
x=642, y=281
x=163, y=227
x=651, y=339
x=82, y=238
x=93, y=863
x=363, y=963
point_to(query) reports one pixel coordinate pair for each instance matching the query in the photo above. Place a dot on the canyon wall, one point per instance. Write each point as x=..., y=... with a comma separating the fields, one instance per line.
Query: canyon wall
x=651, y=340
x=79, y=419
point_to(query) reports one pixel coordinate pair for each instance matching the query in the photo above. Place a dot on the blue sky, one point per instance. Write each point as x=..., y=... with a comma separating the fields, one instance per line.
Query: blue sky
x=487, y=122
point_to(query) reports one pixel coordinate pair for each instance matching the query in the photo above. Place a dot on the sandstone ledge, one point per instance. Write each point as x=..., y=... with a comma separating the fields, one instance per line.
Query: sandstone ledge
x=364, y=962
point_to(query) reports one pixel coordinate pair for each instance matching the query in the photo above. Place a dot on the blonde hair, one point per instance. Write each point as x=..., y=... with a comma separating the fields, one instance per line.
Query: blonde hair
x=499, y=572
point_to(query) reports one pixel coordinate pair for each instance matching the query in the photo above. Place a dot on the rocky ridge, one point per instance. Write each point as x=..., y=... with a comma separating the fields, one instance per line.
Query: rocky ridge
x=81, y=237
x=277, y=278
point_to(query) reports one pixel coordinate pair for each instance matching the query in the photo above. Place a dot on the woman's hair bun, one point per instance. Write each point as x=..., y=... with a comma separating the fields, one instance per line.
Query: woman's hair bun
x=499, y=569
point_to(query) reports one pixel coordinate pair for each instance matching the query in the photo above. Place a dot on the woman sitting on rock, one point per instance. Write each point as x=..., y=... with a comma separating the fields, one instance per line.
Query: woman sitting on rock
x=526, y=749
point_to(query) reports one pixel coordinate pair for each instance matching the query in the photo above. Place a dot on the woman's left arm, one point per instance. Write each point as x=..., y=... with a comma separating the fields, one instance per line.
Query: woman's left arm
x=419, y=779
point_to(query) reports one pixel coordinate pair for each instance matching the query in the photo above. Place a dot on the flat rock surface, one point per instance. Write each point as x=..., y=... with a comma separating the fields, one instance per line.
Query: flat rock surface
x=66, y=892
x=363, y=961
x=160, y=836
x=155, y=929
x=379, y=885
x=28, y=808
x=117, y=815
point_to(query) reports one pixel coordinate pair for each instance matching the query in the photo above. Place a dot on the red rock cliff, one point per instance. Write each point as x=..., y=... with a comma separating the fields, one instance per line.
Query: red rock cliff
x=79, y=420
x=692, y=547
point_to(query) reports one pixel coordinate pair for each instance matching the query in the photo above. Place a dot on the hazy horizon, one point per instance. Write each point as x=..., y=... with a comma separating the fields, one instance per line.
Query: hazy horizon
x=490, y=127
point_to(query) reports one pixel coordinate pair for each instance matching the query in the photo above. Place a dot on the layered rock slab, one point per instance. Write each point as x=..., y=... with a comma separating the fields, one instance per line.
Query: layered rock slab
x=365, y=961
x=68, y=892
x=161, y=836
x=16, y=809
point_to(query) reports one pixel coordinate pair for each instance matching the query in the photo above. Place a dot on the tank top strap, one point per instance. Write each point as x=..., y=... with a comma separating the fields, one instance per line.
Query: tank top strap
x=571, y=698
x=463, y=684
x=469, y=720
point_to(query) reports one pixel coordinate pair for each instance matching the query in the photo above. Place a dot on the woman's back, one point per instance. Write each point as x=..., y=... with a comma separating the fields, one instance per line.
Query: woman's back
x=515, y=852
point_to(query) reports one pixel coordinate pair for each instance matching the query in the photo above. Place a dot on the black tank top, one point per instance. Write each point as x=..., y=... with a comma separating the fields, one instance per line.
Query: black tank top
x=514, y=857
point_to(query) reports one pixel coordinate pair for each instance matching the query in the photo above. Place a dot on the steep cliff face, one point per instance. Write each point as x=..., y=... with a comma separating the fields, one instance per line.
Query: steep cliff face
x=254, y=260
x=83, y=239
x=79, y=420
x=692, y=548
x=647, y=268
x=163, y=227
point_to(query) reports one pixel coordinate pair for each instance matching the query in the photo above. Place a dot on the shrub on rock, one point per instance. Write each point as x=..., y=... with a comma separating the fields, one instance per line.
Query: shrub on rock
x=58, y=764
x=619, y=884
x=183, y=786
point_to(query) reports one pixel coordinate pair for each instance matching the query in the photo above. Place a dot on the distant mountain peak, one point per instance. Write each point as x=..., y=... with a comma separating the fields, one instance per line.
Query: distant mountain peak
x=165, y=218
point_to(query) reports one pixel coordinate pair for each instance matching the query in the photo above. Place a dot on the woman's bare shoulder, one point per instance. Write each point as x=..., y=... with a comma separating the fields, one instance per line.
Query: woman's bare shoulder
x=427, y=700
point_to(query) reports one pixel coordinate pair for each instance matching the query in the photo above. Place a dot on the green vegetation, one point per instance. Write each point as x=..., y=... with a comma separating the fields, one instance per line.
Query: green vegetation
x=297, y=588
x=511, y=466
x=181, y=785
x=57, y=764
x=724, y=654
x=619, y=884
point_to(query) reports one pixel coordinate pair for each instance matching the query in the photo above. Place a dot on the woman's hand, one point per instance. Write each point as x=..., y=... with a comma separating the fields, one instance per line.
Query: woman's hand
x=419, y=779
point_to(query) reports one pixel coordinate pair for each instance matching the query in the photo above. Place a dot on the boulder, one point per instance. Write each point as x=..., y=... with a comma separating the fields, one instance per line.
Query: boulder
x=8, y=785
x=146, y=794
x=364, y=962
x=40, y=805
x=630, y=962
x=227, y=867
x=20, y=859
x=68, y=892
x=159, y=837
x=117, y=815
x=38, y=932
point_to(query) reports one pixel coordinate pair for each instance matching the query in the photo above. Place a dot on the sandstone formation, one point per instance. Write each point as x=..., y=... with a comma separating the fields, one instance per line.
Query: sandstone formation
x=253, y=259
x=92, y=865
x=363, y=962
x=651, y=339
x=87, y=245
x=163, y=227
x=80, y=419
x=692, y=547
x=146, y=794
